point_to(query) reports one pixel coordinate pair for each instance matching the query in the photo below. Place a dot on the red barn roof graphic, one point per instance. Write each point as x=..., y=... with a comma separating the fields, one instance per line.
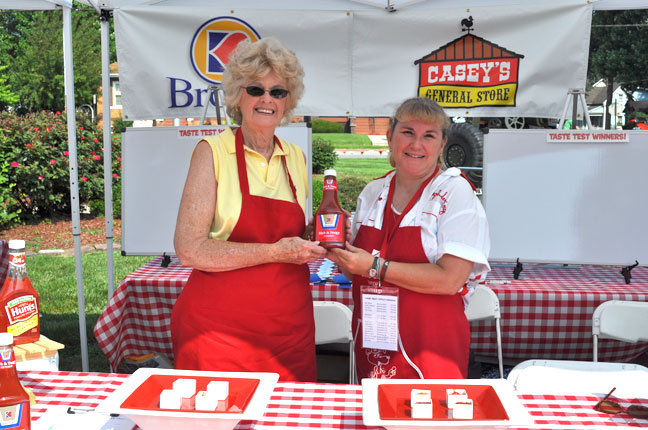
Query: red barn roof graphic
x=469, y=72
x=468, y=47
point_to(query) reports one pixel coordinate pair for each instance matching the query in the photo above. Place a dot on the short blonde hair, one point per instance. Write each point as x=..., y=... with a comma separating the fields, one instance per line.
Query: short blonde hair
x=252, y=61
x=420, y=109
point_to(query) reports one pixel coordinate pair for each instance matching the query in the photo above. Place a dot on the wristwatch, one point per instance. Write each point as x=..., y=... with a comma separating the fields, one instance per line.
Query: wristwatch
x=375, y=268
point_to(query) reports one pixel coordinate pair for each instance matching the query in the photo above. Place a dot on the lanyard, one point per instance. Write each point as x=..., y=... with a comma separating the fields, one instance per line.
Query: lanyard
x=390, y=225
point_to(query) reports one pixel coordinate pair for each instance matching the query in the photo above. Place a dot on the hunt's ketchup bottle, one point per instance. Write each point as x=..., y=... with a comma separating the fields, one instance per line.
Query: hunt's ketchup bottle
x=330, y=225
x=19, y=300
x=14, y=400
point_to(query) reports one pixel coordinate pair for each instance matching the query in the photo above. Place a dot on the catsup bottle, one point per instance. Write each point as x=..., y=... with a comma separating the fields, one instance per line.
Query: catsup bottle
x=14, y=400
x=330, y=225
x=18, y=299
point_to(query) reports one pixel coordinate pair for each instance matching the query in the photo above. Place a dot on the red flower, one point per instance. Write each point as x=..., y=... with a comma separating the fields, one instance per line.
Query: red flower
x=96, y=158
x=66, y=153
x=115, y=175
x=52, y=161
x=28, y=145
x=14, y=164
x=119, y=158
x=96, y=140
x=83, y=178
x=58, y=112
x=80, y=127
x=82, y=138
x=35, y=128
x=48, y=129
x=40, y=177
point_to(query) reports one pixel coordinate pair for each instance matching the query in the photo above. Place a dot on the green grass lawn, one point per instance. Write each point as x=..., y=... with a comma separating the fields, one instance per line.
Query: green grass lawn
x=364, y=168
x=54, y=277
x=345, y=140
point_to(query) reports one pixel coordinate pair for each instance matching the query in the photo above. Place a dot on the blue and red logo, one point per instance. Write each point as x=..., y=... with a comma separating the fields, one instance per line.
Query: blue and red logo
x=213, y=43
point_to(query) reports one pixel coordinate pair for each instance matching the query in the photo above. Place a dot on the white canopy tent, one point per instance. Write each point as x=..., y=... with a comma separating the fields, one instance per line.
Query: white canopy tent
x=105, y=7
x=65, y=6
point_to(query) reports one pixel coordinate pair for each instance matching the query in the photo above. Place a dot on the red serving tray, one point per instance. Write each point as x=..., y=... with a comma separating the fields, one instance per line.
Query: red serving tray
x=394, y=402
x=147, y=395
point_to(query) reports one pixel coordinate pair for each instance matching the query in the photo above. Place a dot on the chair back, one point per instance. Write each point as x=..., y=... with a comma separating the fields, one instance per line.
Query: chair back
x=333, y=325
x=581, y=377
x=621, y=320
x=483, y=305
x=332, y=322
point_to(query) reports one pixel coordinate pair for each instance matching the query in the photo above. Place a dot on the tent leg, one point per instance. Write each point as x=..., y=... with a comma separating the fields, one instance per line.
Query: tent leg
x=107, y=143
x=74, y=177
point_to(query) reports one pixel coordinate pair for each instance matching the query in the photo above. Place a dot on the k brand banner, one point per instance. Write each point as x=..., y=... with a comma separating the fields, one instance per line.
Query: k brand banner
x=483, y=61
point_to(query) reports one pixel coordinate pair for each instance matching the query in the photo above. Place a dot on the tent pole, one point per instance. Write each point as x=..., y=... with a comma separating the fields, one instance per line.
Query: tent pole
x=107, y=143
x=74, y=178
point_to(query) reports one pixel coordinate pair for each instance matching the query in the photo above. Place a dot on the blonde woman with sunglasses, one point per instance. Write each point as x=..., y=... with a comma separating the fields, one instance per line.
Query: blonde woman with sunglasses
x=247, y=305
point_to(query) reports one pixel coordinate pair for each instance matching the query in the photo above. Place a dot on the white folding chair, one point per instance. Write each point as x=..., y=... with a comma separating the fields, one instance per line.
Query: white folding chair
x=621, y=320
x=333, y=325
x=578, y=377
x=483, y=305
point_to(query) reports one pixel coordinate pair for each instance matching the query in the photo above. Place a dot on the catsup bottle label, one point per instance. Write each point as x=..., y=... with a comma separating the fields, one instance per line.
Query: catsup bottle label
x=330, y=184
x=17, y=259
x=7, y=359
x=22, y=314
x=11, y=416
x=329, y=228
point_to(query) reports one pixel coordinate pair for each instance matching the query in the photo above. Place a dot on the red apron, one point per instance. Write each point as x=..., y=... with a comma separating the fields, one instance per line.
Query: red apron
x=433, y=328
x=257, y=318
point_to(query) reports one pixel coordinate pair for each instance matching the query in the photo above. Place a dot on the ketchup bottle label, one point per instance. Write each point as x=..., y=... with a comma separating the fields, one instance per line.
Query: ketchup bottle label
x=10, y=416
x=330, y=184
x=7, y=359
x=22, y=314
x=329, y=228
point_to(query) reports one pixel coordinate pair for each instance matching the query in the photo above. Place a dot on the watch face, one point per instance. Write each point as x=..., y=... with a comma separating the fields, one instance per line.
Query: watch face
x=372, y=273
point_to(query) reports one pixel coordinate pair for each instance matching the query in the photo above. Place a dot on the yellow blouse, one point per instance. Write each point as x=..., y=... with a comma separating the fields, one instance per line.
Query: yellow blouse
x=267, y=179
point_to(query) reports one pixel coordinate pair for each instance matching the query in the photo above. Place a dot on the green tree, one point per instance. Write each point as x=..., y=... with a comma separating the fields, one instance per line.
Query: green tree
x=618, y=50
x=36, y=71
x=7, y=96
x=12, y=25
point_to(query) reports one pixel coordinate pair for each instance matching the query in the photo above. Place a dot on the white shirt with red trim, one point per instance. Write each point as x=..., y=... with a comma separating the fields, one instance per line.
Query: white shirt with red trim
x=451, y=217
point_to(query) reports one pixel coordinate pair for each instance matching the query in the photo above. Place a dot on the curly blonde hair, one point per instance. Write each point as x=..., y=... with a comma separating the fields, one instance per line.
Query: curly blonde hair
x=252, y=61
x=420, y=109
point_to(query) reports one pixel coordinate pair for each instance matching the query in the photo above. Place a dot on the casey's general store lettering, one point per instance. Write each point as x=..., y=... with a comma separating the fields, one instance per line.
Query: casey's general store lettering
x=483, y=73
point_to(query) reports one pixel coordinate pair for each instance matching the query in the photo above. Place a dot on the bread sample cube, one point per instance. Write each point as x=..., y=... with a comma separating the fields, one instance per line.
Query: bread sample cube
x=422, y=410
x=454, y=395
x=418, y=395
x=205, y=401
x=185, y=387
x=462, y=410
x=170, y=399
x=218, y=389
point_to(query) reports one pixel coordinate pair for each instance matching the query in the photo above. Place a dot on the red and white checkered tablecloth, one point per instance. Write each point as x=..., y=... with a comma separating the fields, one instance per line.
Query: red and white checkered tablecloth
x=330, y=406
x=136, y=320
x=546, y=313
x=4, y=260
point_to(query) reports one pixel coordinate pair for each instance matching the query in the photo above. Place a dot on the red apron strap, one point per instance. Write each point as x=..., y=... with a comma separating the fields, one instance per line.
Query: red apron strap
x=240, y=163
x=390, y=225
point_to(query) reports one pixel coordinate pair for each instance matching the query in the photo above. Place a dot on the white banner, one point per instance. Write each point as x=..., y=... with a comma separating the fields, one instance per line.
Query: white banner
x=483, y=61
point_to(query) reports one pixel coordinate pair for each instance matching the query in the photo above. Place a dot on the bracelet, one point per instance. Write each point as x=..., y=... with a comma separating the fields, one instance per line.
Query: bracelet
x=384, y=270
x=375, y=268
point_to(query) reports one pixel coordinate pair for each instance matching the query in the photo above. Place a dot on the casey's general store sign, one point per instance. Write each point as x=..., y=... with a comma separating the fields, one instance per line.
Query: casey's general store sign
x=469, y=72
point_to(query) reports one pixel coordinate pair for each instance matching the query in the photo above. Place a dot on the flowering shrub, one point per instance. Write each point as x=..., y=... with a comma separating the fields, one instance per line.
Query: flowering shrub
x=34, y=165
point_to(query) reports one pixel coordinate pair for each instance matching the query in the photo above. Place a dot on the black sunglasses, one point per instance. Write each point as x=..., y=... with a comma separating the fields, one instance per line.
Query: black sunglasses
x=275, y=93
x=609, y=407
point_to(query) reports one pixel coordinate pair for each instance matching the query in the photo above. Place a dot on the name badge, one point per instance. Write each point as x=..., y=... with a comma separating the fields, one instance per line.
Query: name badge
x=379, y=317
